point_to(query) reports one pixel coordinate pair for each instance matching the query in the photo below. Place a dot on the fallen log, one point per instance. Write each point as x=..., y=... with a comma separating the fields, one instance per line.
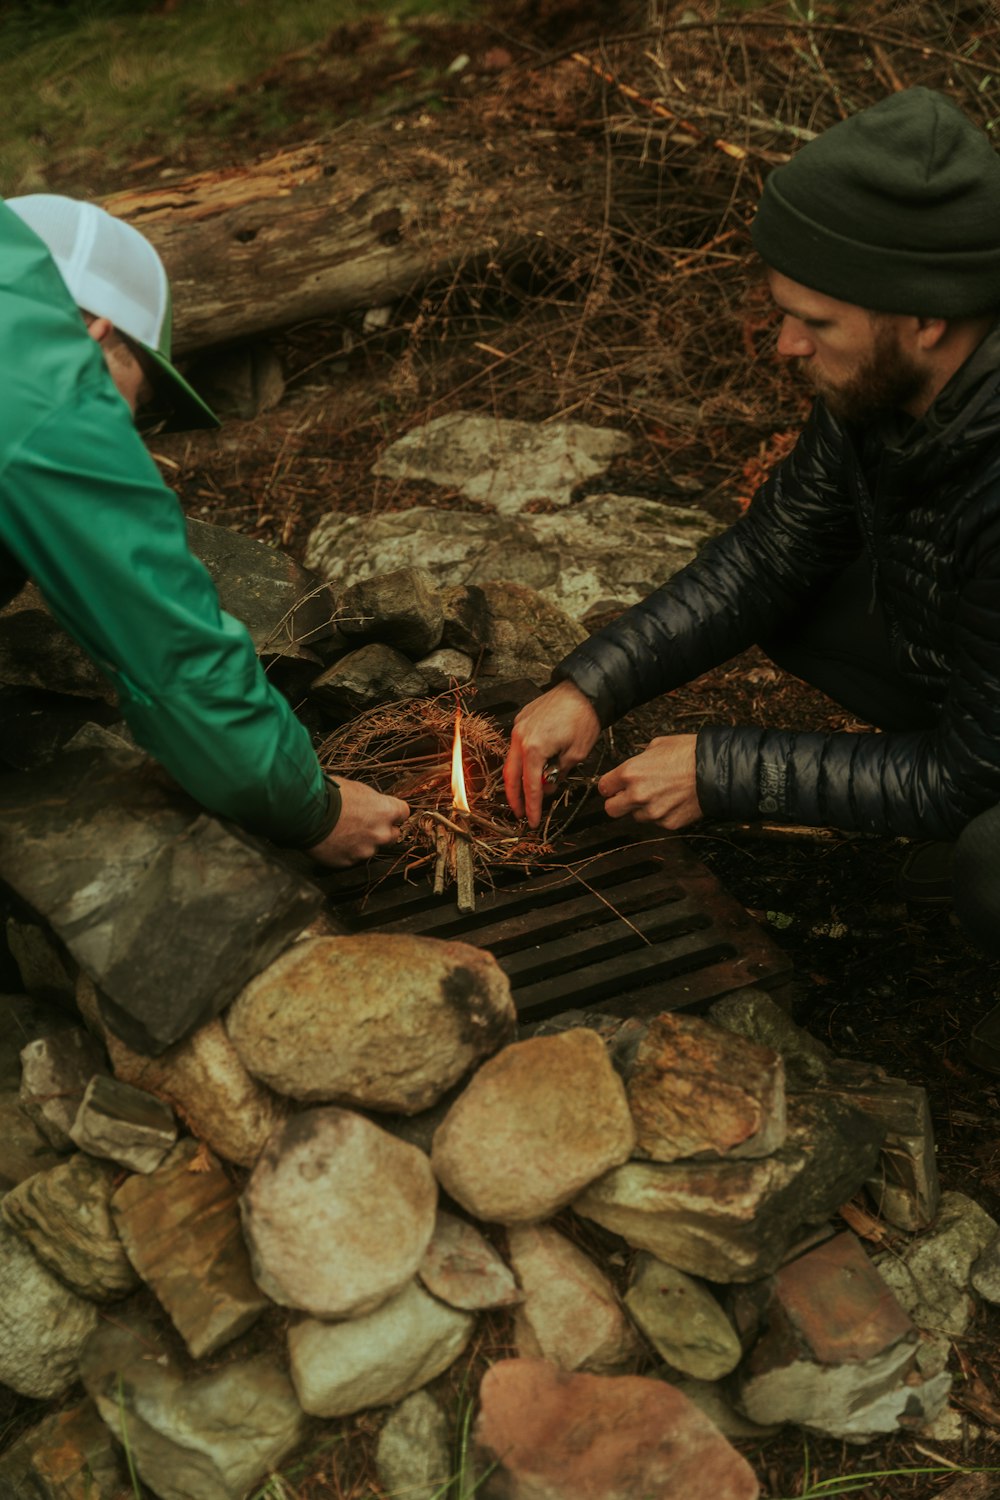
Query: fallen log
x=352, y=222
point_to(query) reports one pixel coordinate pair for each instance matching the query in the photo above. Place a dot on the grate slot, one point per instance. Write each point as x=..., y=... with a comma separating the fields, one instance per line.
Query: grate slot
x=576, y=952
x=597, y=925
x=612, y=978
x=530, y=901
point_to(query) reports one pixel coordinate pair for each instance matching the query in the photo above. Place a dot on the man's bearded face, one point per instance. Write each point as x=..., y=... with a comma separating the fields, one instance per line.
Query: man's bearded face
x=884, y=380
x=855, y=359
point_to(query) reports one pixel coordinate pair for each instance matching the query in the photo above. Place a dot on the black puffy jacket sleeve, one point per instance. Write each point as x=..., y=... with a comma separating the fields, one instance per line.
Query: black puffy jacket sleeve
x=801, y=529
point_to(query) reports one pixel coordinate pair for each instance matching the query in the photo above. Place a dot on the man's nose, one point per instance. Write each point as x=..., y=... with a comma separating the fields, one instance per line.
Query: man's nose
x=793, y=339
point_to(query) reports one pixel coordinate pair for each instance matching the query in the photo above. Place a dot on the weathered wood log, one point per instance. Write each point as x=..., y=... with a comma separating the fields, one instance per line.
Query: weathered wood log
x=352, y=222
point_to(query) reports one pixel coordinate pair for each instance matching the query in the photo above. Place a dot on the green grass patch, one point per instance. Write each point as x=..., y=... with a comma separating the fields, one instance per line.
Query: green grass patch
x=91, y=87
x=851, y=1484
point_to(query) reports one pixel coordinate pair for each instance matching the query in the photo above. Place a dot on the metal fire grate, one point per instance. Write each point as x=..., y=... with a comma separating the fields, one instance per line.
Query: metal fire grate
x=632, y=923
x=636, y=925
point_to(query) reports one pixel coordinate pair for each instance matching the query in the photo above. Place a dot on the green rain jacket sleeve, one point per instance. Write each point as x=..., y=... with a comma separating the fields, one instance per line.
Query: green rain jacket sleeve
x=89, y=518
x=83, y=509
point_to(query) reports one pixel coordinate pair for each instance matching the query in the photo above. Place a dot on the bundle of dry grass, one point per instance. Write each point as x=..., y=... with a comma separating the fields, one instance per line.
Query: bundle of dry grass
x=405, y=749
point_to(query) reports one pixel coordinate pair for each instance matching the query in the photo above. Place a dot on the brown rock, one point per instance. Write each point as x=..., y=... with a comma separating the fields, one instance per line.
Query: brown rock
x=181, y=1229
x=556, y=1436
x=537, y=1123
x=205, y=1082
x=838, y=1354
x=69, y=1456
x=697, y=1088
x=837, y=1304
x=570, y=1313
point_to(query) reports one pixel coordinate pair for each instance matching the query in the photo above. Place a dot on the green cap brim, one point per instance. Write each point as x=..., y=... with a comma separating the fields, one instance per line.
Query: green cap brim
x=188, y=410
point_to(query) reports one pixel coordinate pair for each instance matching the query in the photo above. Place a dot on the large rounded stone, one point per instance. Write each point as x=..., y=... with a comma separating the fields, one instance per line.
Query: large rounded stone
x=536, y=1124
x=378, y=1021
x=337, y=1214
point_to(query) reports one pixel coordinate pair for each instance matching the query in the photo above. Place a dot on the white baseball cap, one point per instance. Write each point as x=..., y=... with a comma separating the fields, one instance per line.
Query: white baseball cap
x=112, y=271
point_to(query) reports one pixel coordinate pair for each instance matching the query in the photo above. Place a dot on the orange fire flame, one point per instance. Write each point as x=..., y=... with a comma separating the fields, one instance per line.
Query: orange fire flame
x=459, y=799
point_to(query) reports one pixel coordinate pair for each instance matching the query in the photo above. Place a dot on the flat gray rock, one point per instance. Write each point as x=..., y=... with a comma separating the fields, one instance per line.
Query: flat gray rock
x=211, y=1436
x=504, y=464
x=125, y=1124
x=55, y=1072
x=285, y=607
x=736, y=1220
x=167, y=910
x=565, y=557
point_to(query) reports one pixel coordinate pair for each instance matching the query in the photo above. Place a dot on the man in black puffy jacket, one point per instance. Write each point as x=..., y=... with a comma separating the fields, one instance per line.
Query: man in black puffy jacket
x=869, y=562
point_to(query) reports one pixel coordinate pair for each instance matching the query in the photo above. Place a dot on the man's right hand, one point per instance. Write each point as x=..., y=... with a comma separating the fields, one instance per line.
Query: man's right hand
x=562, y=726
x=368, y=821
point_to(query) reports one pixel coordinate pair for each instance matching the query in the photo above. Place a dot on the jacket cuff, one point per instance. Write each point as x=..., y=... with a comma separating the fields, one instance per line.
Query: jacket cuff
x=325, y=820
x=588, y=681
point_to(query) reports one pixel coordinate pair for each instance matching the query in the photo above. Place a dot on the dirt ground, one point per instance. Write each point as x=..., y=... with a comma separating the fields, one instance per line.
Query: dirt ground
x=881, y=980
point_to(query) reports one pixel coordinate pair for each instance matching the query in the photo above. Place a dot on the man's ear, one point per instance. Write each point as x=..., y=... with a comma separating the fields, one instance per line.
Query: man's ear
x=99, y=329
x=930, y=332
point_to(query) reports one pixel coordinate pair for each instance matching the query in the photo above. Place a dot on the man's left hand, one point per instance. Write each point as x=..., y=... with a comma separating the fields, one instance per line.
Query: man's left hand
x=656, y=786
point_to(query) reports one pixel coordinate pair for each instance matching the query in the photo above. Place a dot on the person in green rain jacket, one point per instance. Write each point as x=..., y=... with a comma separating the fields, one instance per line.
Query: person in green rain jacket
x=84, y=340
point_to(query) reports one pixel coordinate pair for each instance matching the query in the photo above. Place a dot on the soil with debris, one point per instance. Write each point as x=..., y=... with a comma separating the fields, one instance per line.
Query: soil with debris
x=654, y=321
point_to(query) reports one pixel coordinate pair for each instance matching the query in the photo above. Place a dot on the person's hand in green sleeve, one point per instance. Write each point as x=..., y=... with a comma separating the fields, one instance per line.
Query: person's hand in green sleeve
x=367, y=821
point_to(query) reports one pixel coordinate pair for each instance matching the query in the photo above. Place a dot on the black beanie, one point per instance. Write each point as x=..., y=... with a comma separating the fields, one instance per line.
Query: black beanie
x=896, y=209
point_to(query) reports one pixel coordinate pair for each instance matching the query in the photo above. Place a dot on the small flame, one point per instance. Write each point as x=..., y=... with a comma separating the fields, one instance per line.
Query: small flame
x=459, y=799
